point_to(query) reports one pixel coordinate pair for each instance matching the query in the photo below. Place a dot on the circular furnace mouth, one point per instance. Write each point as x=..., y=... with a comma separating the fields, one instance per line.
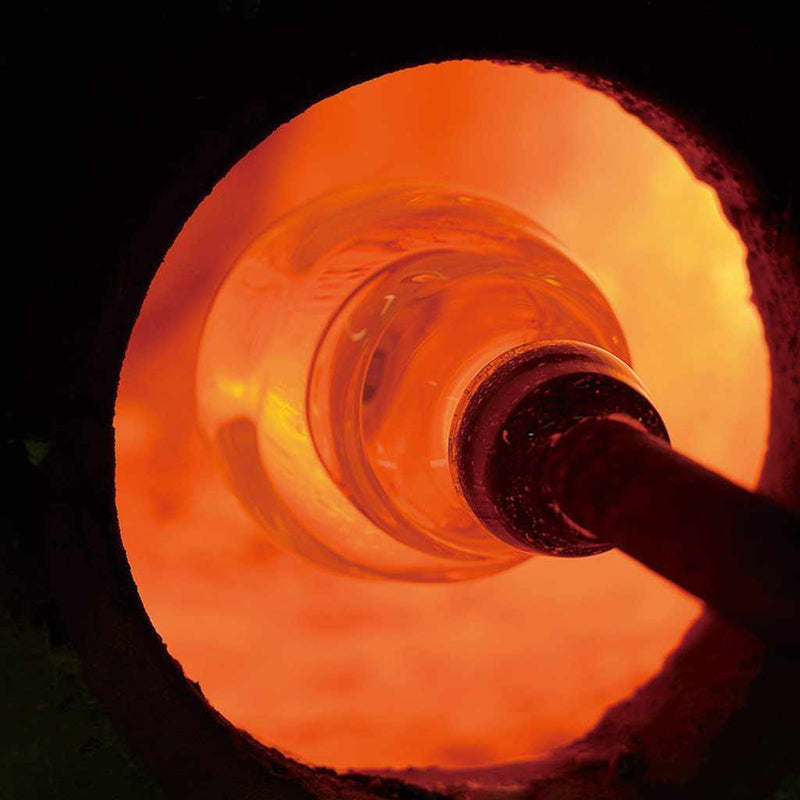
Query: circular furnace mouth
x=640, y=748
x=312, y=328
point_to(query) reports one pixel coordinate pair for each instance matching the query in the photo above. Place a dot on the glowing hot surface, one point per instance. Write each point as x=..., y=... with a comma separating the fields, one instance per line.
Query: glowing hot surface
x=337, y=349
x=352, y=672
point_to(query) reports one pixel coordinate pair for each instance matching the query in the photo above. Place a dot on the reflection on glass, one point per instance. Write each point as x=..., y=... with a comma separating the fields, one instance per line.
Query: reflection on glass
x=335, y=354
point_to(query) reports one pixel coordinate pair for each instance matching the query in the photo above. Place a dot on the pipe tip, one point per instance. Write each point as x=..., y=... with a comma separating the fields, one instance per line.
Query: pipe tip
x=508, y=422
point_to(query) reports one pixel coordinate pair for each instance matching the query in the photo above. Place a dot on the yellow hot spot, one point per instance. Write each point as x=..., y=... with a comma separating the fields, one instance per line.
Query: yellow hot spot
x=283, y=417
x=232, y=388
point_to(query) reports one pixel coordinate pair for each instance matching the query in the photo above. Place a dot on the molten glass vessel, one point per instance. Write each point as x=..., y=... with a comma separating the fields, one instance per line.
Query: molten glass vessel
x=336, y=352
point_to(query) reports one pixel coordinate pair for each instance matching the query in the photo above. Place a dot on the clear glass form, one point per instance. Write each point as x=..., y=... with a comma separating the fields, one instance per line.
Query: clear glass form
x=337, y=349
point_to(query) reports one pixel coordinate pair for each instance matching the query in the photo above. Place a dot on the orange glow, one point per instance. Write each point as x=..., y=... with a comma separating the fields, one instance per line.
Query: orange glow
x=355, y=673
x=337, y=349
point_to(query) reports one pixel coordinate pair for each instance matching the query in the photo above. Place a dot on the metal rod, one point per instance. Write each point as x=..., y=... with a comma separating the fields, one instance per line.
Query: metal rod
x=734, y=549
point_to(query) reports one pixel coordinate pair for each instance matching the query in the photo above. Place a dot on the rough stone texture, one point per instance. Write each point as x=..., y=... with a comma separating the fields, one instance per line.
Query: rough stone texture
x=121, y=126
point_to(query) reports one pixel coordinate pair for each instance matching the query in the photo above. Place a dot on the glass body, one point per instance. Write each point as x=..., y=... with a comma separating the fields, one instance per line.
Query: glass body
x=335, y=354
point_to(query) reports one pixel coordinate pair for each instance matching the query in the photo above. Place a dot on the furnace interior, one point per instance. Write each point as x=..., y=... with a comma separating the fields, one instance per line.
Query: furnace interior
x=506, y=666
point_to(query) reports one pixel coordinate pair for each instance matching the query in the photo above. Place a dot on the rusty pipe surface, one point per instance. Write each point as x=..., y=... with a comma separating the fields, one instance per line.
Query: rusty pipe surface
x=559, y=451
x=732, y=548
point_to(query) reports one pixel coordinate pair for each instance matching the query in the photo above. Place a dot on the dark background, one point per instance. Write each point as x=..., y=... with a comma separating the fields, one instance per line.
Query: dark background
x=116, y=123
